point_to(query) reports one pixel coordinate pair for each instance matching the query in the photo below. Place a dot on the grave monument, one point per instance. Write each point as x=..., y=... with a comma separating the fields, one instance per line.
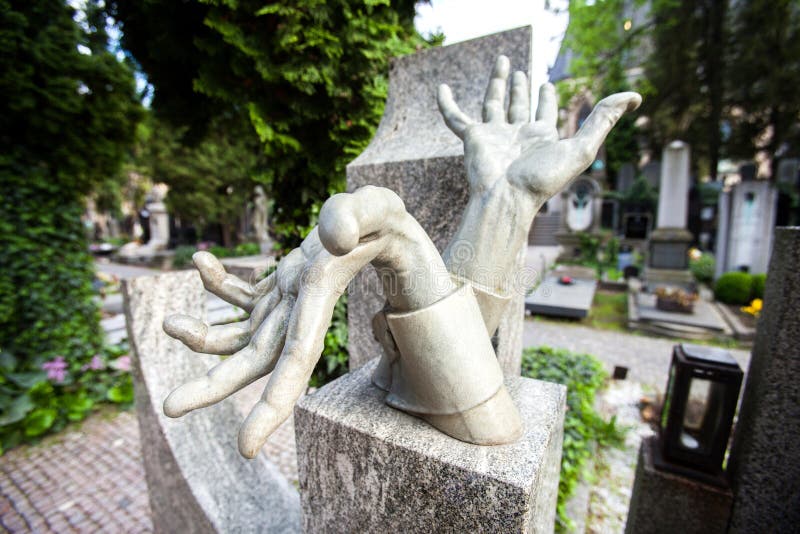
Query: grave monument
x=582, y=205
x=746, y=226
x=158, y=225
x=437, y=361
x=668, y=261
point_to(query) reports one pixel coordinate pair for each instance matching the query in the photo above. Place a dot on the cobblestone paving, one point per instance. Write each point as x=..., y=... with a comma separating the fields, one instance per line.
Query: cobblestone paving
x=87, y=479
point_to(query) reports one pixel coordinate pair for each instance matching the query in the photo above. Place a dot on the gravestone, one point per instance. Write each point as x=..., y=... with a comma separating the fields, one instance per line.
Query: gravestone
x=668, y=259
x=746, y=226
x=197, y=480
x=626, y=176
x=763, y=465
x=415, y=155
x=582, y=206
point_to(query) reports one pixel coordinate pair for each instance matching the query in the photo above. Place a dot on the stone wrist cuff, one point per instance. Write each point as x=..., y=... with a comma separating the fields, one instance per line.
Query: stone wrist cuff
x=428, y=377
x=491, y=303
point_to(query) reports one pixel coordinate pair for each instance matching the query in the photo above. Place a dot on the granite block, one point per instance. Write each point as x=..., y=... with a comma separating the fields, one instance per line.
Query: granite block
x=665, y=503
x=197, y=480
x=414, y=154
x=366, y=467
x=763, y=465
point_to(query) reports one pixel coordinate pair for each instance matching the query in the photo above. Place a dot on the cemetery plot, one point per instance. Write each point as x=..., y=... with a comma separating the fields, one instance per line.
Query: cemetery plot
x=562, y=295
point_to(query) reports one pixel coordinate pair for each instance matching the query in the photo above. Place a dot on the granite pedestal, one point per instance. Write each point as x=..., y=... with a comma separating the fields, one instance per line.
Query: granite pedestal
x=366, y=467
x=665, y=503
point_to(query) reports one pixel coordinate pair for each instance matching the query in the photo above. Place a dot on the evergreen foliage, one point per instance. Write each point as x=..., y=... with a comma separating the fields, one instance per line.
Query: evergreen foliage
x=717, y=74
x=310, y=75
x=66, y=121
x=734, y=288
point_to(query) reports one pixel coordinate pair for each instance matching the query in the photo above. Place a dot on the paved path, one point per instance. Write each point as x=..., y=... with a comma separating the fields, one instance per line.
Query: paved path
x=88, y=479
x=647, y=358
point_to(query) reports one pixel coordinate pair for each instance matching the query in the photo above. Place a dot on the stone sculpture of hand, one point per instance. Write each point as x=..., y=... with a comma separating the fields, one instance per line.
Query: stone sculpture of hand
x=290, y=311
x=514, y=165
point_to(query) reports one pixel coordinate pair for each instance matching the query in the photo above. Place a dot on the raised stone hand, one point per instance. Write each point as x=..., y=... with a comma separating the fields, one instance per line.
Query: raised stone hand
x=291, y=309
x=514, y=165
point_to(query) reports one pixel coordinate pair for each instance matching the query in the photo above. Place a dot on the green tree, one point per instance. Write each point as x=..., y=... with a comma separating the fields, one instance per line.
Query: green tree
x=212, y=180
x=311, y=75
x=764, y=74
x=67, y=117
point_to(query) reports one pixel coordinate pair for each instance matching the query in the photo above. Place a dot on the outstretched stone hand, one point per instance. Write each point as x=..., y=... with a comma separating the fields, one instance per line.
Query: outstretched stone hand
x=514, y=165
x=291, y=309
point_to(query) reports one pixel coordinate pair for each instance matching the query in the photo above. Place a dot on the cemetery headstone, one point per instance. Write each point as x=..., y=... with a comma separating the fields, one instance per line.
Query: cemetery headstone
x=668, y=259
x=746, y=227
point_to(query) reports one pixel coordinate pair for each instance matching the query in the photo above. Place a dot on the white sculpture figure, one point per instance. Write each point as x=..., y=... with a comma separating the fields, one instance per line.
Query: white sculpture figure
x=439, y=363
x=260, y=223
x=580, y=204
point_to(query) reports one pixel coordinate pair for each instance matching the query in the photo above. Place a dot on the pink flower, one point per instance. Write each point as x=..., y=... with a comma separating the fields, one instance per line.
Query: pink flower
x=97, y=364
x=123, y=363
x=56, y=369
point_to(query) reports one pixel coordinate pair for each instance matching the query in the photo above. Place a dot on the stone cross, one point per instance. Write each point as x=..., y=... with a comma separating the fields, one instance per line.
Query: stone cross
x=414, y=154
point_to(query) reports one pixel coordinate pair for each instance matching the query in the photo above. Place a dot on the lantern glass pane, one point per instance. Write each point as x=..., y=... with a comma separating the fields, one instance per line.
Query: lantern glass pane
x=703, y=415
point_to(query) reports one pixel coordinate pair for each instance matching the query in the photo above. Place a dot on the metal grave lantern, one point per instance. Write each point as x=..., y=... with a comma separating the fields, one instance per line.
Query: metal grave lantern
x=698, y=410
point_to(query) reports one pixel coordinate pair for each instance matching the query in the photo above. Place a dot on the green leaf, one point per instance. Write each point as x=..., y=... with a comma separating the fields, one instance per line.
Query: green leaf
x=16, y=410
x=121, y=394
x=39, y=420
x=27, y=380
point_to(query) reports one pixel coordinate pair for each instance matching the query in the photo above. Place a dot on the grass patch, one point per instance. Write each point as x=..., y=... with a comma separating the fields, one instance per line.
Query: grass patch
x=584, y=427
x=609, y=311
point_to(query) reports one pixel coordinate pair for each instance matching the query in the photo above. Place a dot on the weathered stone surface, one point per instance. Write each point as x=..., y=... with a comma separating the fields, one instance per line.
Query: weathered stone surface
x=366, y=467
x=414, y=154
x=763, y=465
x=197, y=480
x=665, y=503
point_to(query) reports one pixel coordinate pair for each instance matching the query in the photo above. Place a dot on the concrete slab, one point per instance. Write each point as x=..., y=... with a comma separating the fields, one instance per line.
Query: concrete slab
x=705, y=314
x=558, y=300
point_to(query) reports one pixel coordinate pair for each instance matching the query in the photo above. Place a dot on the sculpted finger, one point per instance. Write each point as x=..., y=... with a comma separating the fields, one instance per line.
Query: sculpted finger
x=519, y=108
x=226, y=286
x=455, y=119
x=237, y=371
x=220, y=339
x=348, y=218
x=303, y=347
x=200, y=337
x=547, y=109
x=496, y=91
x=603, y=117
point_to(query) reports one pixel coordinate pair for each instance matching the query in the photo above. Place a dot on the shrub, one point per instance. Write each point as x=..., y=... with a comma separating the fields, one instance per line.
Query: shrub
x=183, y=256
x=583, y=375
x=734, y=288
x=703, y=268
x=247, y=249
x=38, y=401
x=759, y=281
x=335, y=357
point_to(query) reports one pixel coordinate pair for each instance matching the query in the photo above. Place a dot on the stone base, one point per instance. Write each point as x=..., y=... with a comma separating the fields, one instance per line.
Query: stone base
x=669, y=249
x=366, y=467
x=664, y=502
x=668, y=277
